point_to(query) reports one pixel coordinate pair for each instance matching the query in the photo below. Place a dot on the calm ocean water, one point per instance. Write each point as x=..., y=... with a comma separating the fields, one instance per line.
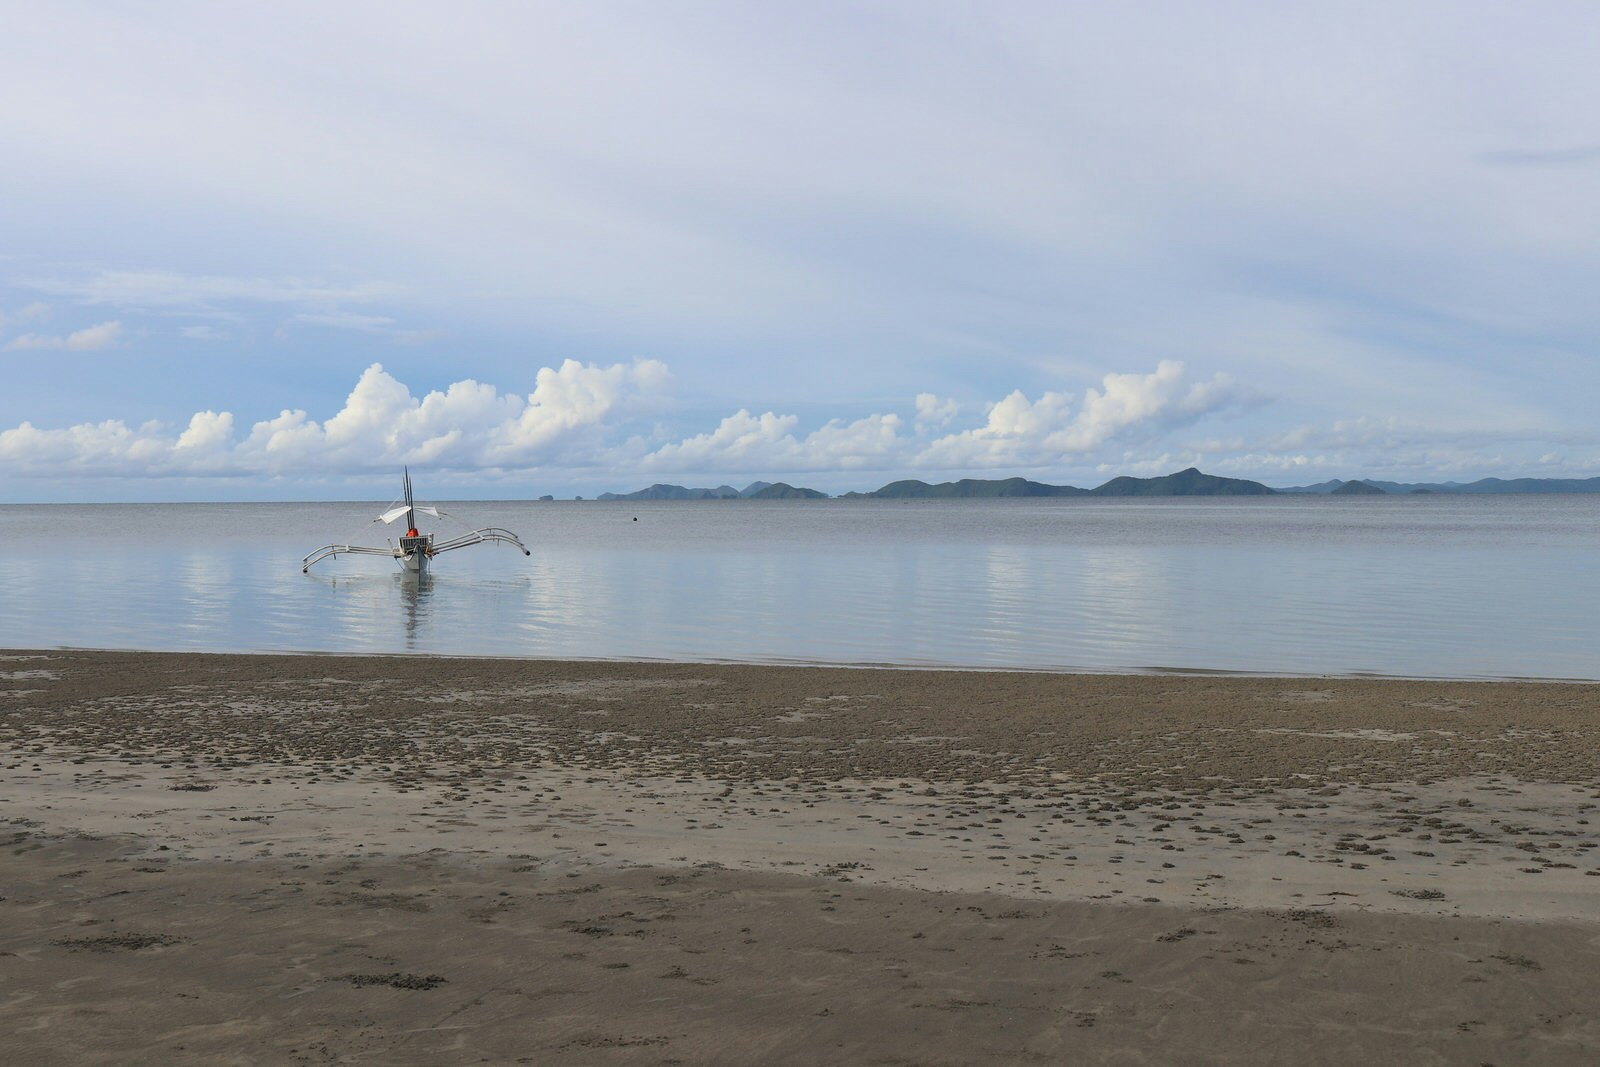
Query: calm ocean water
x=1504, y=586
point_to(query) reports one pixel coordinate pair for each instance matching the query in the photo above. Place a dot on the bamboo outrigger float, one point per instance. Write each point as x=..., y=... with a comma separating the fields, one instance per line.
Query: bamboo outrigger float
x=415, y=549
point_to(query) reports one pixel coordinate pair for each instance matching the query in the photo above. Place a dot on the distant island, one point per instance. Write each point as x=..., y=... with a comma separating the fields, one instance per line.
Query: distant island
x=678, y=492
x=1482, y=485
x=785, y=491
x=1190, y=482
x=1185, y=483
x=966, y=488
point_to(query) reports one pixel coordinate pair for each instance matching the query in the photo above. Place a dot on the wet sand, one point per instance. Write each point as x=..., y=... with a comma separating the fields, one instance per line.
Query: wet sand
x=322, y=859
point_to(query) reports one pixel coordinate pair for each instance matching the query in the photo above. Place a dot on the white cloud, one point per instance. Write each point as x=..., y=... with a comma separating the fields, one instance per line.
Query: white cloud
x=870, y=443
x=109, y=447
x=208, y=432
x=469, y=425
x=767, y=444
x=1162, y=399
x=1028, y=433
x=573, y=398
x=933, y=413
x=742, y=440
x=89, y=339
x=1013, y=434
x=1017, y=432
x=577, y=414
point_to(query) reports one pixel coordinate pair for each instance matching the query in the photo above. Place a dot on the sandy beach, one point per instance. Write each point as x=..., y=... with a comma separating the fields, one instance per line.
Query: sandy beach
x=318, y=859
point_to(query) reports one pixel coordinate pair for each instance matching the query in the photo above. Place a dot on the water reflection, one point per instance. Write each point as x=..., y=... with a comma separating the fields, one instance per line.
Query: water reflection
x=1465, y=587
x=1128, y=599
x=204, y=584
x=415, y=589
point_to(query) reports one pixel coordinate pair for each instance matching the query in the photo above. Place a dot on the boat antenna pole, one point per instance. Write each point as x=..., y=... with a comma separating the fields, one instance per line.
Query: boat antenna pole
x=411, y=507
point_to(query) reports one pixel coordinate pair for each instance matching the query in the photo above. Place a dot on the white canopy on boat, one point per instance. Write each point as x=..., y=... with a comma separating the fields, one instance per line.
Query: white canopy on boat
x=399, y=513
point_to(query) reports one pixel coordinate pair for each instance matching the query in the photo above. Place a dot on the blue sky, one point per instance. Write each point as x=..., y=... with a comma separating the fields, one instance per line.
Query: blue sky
x=275, y=251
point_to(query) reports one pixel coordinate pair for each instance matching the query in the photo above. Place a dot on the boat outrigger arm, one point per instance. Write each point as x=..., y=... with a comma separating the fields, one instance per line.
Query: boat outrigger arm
x=415, y=549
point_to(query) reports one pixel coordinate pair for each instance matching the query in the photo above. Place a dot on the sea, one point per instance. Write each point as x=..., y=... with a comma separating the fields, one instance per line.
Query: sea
x=1427, y=586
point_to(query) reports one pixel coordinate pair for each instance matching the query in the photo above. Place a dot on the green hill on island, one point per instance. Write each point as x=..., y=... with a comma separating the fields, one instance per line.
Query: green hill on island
x=1355, y=488
x=1189, y=482
x=785, y=491
x=968, y=488
x=1184, y=483
x=1482, y=485
x=678, y=492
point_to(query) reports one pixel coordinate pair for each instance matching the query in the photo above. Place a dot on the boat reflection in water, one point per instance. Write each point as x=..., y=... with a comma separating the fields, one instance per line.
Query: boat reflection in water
x=416, y=588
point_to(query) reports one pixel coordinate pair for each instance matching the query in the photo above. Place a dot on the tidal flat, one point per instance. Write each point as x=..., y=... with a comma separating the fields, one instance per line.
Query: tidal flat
x=237, y=858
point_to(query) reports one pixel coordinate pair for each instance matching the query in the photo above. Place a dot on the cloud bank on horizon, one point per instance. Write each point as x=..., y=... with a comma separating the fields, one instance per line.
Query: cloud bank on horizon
x=868, y=240
x=575, y=415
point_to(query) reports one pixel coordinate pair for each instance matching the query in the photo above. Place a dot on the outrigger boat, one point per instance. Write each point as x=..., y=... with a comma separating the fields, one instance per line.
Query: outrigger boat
x=415, y=549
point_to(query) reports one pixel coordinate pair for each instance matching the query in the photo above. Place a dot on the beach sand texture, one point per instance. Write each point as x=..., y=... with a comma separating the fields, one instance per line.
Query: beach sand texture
x=317, y=859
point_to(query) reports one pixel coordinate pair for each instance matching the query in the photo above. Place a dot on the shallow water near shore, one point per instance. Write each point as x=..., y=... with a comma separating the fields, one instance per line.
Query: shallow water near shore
x=1465, y=587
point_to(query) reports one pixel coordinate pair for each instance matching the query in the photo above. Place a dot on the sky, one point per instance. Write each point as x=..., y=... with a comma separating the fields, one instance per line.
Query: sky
x=277, y=251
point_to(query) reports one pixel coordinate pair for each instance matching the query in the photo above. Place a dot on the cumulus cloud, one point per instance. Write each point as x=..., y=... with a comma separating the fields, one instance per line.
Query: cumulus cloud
x=739, y=438
x=89, y=339
x=572, y=417
x=1016, y=431
x=572, y=398
x=209, y=432
x=109, y=447
x=1013, y=433
x=746, y=442
x=1163, y=398
x=933, y=413
x=1023, y=432
x=468, y=425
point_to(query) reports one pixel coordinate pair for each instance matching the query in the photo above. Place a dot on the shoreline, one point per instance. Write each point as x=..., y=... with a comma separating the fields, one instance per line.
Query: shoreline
x=931, y=668
x=1321, y=829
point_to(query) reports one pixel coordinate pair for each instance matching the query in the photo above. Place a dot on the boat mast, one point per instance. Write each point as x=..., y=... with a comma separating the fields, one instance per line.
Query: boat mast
x=411, y=512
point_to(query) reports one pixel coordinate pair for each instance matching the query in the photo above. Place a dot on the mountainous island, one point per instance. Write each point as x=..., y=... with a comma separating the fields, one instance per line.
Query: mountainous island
x=1185, y=483
x=678, y=492
x=1482, y=485
x=911, y=489
x=753, y=491
x=1190, y=482
x=1355, y=488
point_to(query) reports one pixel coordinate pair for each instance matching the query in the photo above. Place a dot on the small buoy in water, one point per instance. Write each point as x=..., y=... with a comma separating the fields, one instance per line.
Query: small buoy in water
x=636, y=518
